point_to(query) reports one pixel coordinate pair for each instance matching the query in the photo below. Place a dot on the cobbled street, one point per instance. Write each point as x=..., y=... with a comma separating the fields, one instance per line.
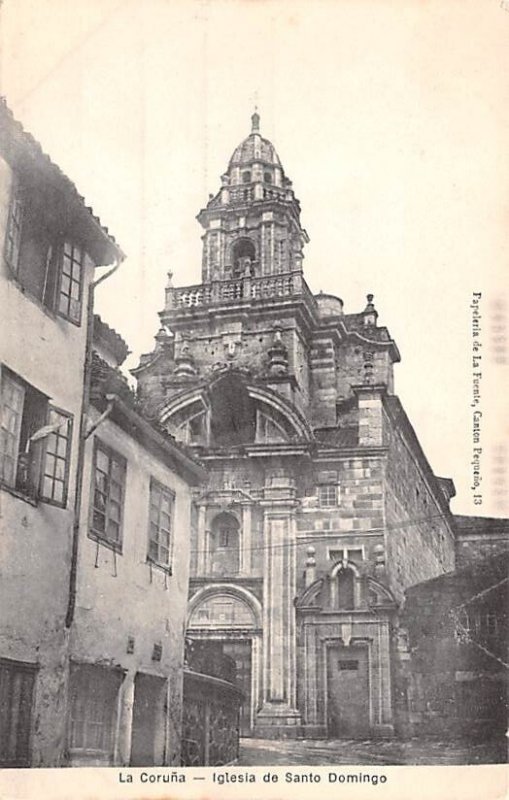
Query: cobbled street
x=311, y=752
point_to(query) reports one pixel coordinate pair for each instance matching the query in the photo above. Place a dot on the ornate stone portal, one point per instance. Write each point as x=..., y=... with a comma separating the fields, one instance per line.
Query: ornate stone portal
x=288, y=401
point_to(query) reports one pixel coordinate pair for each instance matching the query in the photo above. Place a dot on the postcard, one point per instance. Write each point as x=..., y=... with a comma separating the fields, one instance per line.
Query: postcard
x=254, y=358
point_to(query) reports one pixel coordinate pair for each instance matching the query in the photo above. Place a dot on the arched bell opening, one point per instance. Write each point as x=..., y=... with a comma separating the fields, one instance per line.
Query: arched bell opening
x=243, y=257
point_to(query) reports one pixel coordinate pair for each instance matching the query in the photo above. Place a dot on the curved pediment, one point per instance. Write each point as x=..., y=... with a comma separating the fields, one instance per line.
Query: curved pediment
x=329, y=592
x=231, y=411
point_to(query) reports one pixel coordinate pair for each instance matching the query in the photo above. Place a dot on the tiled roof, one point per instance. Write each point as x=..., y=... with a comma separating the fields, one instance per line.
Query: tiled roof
x=12, y=129
x=114, y=340
x=255, y=148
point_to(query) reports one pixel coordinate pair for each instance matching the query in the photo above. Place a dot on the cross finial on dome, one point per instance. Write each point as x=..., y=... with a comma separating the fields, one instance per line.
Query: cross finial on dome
x=255, y=121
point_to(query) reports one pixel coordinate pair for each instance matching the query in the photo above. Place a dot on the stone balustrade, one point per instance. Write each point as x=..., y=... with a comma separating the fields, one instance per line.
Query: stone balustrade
x=240, y=289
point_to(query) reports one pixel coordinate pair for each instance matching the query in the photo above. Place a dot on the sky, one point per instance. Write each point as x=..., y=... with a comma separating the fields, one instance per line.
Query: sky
x=391, y=117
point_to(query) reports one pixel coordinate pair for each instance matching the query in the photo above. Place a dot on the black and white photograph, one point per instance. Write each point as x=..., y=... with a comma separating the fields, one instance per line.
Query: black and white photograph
x=254, y=427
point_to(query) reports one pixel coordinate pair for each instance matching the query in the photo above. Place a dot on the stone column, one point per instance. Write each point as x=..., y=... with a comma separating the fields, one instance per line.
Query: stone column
x=278, y=715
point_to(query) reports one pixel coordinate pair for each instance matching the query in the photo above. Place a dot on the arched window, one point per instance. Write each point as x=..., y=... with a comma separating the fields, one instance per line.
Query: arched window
x=246, y=177
x=244, y=255
x=225, y=545
x=345, y=579
x=267, y=177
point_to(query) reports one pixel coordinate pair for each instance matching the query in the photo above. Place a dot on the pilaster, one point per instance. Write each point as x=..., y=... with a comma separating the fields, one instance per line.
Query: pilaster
x=279, y=716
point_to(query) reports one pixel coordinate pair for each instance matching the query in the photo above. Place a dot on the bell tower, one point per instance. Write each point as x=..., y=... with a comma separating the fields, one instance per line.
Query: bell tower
x=252, y=225
x=281, y=395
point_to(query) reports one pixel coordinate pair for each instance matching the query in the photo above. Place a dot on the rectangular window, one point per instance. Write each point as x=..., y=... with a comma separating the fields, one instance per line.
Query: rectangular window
x=55, y=466
x=108, y=490
x=13, y=234
x=17, y=682
x=13, y=395
x=71, y=282
x=48, y=268
x=34, y=441
x=93, y=698
x=328, y=495
x=160, y=524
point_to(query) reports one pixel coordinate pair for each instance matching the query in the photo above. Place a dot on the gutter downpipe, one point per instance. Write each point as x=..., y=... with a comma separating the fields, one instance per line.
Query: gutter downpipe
x=81, y=442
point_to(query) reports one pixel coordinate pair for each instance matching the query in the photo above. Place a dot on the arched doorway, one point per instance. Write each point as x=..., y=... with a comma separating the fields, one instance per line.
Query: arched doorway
x=230, y=618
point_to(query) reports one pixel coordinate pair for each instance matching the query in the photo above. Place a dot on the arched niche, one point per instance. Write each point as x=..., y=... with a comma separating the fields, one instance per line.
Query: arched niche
x=224, y=544
x=345, y=589
x=243, y=256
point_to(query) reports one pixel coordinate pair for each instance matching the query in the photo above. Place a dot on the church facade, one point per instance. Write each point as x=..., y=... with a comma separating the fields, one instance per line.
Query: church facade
x=321, y=507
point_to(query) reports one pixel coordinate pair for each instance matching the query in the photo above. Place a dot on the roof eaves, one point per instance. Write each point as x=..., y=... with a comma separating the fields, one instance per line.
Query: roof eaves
x=39, y=153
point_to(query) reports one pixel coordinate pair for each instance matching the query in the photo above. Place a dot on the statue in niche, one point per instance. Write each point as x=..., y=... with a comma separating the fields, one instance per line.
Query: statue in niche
x=243, y=258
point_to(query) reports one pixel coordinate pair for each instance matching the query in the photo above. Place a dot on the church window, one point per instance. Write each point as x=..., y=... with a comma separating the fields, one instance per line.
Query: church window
x=267, y=177
x=328, y=495
x=246, y=177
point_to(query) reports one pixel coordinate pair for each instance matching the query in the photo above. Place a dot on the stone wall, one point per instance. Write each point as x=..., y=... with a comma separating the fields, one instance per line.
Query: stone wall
x=478, y=538
x=457, y=624
x=354, y=526
x=419, y=536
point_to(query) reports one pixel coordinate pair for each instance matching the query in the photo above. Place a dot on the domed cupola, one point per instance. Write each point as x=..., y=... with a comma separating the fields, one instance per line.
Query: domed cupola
x=252, y=225
x=254, y=149
x=255, y=161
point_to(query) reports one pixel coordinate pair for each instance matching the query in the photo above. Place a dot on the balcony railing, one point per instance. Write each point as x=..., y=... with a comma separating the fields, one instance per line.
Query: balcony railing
x=238, y=290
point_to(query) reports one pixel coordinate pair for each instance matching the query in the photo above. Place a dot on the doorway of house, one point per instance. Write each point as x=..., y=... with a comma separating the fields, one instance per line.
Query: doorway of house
x=240, y=652
x=147, y=742
x=347, y=692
